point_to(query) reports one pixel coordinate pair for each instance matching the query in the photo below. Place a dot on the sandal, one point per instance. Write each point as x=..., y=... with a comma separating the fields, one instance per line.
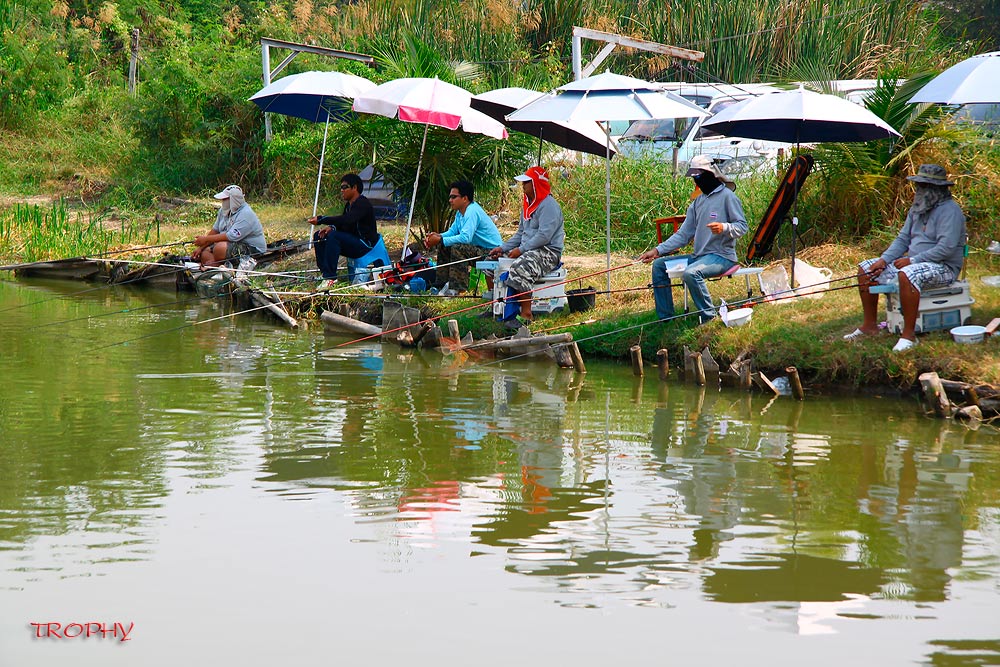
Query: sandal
x=903, y=344
x=516, y=322
x=854, y=335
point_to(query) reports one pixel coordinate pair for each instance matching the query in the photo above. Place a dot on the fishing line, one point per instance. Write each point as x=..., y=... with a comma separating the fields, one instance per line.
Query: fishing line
x=749, y=302
x=12, y=267
x=193, y=297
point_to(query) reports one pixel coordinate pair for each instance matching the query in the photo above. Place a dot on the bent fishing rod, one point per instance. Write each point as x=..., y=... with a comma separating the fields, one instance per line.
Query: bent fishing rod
x=749, y=302
x=307, y=295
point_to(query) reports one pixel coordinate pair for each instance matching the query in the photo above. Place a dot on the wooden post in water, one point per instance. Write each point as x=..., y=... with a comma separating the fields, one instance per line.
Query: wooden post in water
x=453, y=330
x=578, y=365
x=697, y=368
x=795, y=383
x=663, y=363
x=745, y=381
x=636, y=353
x=938, y=401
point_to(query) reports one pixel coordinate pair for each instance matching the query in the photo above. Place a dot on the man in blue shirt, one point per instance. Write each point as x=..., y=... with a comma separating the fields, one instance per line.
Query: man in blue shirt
x=472, y=235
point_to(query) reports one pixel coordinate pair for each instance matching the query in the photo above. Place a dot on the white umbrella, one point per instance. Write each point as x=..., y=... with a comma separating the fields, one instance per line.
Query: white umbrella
x=604, y=98
x=800, y=116
x=316, y=96
x=429, y=102
x=975, y=80
x=587, y=136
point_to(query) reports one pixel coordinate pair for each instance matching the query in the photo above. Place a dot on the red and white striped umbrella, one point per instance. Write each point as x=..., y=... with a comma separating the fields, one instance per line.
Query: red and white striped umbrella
x=427, y=102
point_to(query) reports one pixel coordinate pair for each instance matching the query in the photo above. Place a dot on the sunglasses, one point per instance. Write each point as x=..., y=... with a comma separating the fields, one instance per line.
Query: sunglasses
x=345, y=186
x=454, y=196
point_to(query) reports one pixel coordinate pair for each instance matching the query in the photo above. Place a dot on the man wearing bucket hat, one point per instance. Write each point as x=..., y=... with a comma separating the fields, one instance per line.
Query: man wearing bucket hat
x=237, y=231
x=714, y=221
x=537, y=246
x=927, y=253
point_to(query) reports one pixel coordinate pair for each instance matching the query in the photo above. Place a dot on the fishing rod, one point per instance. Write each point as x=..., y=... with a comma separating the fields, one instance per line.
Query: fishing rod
x=12, y=267
x=307, y=295
x=177, y=268
x=749, y=302
x=120, y=312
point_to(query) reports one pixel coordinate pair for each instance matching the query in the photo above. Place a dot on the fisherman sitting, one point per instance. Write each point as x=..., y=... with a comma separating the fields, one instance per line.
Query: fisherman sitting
x=537, y=246
x=927, y=253
x=714, y=221
x=471, y=235
x=237, y=231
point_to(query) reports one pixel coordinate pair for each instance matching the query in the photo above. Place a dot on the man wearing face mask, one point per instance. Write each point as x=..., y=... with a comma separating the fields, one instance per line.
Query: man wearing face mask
x=237, y=231
x=928, y=253
x=714, y=221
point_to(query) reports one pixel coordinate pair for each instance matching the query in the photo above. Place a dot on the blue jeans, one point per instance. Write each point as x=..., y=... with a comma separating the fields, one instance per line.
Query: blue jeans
x=328, y=251
x=706, y=266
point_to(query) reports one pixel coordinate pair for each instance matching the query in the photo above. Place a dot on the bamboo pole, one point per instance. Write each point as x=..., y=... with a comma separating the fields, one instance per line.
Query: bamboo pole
x=341, y=323
x=663, y=363
x=578, y=365
x=635, y=352
x=796, y=384
x=698, y=368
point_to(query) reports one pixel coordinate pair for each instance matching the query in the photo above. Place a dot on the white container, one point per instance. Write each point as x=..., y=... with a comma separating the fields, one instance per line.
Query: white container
x=968, y=334
x=940, y=309
x=738, y=317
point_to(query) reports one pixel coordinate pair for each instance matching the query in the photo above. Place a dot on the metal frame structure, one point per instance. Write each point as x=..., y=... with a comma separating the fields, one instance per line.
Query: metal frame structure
x=267, y=43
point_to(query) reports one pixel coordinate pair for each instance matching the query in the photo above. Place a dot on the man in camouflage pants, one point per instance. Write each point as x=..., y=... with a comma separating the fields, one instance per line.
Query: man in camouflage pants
x=537, y=246
x=470, y=236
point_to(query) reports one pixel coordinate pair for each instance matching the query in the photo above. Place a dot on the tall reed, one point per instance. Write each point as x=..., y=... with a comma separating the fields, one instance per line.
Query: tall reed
x=31, y=233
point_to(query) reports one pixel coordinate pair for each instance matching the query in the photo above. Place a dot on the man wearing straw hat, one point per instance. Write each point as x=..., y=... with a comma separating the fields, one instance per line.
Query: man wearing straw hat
x=714, y=221
x=927, y=253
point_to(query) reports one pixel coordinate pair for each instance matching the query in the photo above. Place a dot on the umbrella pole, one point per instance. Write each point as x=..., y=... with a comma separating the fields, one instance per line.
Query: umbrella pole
x=319, y=176
x=413, y=198
x=607, y=197
x=540, y=140
x=795, y=212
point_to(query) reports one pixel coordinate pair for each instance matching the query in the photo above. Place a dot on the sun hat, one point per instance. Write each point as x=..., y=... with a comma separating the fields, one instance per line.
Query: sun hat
x=931, y=174
x=704, y=163
x=533, y=173
x=229, y=190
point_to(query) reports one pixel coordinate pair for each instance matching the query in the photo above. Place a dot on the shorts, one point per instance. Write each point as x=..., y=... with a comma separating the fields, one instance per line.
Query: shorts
x=239, y=249
x=525, y=271
x=930, y=275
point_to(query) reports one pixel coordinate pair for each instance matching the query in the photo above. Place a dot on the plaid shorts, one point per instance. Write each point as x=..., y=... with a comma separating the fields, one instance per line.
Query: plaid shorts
x=922, y=274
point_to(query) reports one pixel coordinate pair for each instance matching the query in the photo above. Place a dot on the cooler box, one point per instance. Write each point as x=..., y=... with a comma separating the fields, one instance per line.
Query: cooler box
x=941, y=308
x=551, y=289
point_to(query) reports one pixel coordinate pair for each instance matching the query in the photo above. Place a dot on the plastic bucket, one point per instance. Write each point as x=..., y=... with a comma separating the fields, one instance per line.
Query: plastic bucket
x=581, y=299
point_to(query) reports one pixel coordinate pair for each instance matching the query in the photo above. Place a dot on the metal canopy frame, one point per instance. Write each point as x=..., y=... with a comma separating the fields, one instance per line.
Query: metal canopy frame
x=268, y=43
x=612, y=40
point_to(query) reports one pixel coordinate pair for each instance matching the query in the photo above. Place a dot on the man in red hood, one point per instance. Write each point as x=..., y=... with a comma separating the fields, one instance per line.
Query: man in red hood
x=537, y=246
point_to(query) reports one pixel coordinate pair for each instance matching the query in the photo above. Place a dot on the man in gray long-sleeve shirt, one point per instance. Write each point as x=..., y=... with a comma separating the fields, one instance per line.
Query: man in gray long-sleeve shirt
x=537, y=246
x=714, y=221
x=927, y=253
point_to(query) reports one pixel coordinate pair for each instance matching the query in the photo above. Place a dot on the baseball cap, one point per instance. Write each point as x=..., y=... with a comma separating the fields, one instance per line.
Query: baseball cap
x=229, y=190
x=532, y=173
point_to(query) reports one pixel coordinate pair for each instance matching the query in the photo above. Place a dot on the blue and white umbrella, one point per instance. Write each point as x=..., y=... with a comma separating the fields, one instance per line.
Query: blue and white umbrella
x=319, y=97
x=604, y=98
x=975, y=80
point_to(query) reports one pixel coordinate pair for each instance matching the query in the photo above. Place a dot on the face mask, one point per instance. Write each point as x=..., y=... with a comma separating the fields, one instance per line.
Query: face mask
x=706, y=182
x=225, y=205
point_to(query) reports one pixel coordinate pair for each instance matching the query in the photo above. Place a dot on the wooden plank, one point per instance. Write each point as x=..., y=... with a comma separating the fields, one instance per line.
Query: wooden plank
x=342, y=324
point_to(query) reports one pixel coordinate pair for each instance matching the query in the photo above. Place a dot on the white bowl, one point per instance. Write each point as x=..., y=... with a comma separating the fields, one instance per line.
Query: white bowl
x=968, y=334
x=738, y=317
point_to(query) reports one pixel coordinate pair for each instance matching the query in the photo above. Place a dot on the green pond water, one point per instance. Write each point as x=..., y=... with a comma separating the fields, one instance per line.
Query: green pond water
x=237, y=493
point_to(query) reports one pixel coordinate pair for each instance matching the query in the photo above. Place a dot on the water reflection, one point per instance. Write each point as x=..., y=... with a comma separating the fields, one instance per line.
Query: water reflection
x=598, y=489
